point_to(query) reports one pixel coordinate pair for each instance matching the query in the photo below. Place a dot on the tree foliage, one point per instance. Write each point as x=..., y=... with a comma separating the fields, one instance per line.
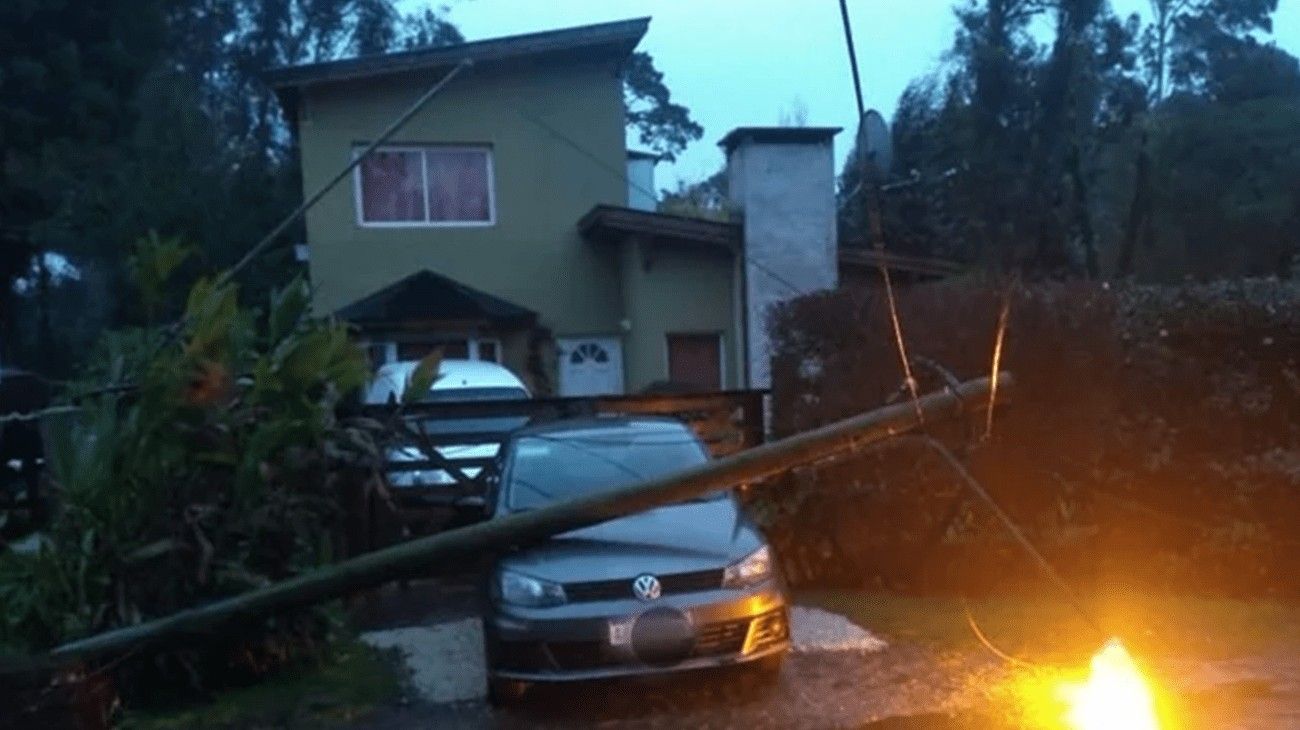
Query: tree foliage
x=706, y=198
x=1071, y=154
x=664, y=125
x=1154, y=437
x=67, y=71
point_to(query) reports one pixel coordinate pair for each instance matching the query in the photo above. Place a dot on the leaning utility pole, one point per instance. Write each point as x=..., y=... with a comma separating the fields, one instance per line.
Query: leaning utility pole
x=425, y=554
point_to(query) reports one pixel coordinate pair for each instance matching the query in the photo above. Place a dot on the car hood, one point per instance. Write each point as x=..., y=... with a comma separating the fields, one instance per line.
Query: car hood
x=678, y=538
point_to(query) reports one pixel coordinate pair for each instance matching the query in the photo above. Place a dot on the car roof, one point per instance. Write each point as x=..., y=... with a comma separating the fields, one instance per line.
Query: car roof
x=452, y=374
x=599, y=426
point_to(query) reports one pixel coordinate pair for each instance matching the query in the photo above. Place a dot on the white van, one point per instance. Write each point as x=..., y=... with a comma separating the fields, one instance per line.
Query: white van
x=457, y=381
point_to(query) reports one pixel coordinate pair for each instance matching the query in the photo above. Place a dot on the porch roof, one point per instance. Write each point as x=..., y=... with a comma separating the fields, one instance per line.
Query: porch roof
x=427, y=297
x=614, y=223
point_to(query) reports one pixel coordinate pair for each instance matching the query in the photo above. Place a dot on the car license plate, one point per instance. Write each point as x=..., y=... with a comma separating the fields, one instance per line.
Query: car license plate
x=620, y=632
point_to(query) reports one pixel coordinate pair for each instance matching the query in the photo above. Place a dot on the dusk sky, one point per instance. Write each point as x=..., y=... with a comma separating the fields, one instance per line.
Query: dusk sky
x=744, y=62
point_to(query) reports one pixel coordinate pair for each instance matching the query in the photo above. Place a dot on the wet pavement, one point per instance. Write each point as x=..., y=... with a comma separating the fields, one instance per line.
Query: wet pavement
x=900, y=686
x=840, y=689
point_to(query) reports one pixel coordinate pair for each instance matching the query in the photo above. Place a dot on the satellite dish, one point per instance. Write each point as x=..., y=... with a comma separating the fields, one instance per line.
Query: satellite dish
x=875, y=144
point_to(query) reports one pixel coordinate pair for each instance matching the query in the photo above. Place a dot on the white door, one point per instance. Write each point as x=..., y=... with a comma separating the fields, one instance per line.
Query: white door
x=590, y=365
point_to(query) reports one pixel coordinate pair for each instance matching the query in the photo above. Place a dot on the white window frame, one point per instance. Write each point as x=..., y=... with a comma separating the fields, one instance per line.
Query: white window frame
x=471, y=347
x=424, y=172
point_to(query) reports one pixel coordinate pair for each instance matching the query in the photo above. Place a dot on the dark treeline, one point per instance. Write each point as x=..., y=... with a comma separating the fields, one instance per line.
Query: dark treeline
x=121, y=119
x=1162, y=147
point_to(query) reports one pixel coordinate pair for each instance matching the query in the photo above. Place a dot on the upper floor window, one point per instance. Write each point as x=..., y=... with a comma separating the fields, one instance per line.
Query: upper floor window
x=425, y=186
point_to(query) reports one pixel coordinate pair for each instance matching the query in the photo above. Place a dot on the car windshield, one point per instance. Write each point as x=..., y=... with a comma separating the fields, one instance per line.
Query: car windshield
x=545, y=469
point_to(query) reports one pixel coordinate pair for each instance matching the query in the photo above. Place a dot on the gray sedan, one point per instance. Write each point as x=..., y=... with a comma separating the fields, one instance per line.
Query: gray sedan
x=686, y=586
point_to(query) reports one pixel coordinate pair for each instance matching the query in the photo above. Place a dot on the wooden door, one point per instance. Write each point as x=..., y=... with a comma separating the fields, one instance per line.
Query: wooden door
x=696, y=360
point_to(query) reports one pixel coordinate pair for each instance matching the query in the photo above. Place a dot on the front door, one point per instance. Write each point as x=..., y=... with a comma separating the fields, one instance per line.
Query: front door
x=590, y=365
x=695, y=360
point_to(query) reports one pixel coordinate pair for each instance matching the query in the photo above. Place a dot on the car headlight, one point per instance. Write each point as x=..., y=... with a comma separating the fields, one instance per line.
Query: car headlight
x=751, y=570
x=525, y=590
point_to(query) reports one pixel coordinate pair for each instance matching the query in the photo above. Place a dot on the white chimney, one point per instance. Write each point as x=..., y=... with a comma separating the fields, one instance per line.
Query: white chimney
x=641, y=193
x=782, y=181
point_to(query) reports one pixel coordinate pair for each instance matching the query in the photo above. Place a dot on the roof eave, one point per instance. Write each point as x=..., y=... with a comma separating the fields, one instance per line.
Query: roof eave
x=615, y=222
x=615, y=39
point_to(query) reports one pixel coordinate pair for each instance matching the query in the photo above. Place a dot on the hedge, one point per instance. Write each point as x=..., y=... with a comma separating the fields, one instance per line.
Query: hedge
x=1154, y=436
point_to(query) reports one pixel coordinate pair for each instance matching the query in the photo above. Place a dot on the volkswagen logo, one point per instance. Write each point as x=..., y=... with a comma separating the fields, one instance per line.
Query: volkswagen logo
x=647, y=587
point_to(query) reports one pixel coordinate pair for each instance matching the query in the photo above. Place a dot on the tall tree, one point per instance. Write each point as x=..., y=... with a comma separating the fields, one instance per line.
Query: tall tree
x=67, y=70
x=663, y=125
x=1184, y=48
x=1000, y=146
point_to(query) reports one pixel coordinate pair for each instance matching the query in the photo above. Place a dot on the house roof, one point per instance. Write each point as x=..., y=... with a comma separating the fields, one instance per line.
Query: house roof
x=777, y=135
x=428, y=297
x=617, y=38
x=614, y=223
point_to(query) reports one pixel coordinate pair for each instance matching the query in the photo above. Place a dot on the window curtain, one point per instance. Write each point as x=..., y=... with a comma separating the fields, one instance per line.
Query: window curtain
x=392, y=187
x=458, y=185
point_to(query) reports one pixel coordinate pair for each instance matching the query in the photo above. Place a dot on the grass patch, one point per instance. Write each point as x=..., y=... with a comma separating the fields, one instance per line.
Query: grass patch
x=350, y=681
x=1043, y=629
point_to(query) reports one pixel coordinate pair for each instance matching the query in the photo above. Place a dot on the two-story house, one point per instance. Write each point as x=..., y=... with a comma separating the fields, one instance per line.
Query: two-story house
x=507, y=221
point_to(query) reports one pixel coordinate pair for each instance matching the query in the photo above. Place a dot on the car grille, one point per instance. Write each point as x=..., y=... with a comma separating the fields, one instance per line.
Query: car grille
x=534, y=656
x=613, y=590
x=723, y=638
x=578, y=655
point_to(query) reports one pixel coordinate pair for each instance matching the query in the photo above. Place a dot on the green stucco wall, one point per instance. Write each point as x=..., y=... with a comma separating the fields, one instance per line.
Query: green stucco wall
x=533, y=255
x=676, y=289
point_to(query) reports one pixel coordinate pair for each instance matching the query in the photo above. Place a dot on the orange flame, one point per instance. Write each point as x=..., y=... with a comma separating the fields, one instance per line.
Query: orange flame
x=1114, y=697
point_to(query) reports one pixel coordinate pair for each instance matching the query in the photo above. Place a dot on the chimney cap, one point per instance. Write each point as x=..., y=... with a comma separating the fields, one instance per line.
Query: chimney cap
x=643, y=155
x=777, y=135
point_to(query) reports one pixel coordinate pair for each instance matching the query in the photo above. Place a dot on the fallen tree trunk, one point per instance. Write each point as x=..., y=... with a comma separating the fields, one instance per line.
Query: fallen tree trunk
x=424, y=554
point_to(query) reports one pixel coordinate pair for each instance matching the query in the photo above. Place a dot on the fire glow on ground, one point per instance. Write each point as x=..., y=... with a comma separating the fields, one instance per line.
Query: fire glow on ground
x=1111, y=694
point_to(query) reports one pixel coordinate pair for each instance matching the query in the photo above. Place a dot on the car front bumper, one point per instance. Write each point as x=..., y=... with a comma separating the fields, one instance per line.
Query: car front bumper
x=711, y=629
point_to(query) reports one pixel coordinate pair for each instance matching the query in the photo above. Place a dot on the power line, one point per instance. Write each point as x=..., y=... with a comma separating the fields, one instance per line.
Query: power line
x=853, y=58
x=873, y=217
x=996, y=365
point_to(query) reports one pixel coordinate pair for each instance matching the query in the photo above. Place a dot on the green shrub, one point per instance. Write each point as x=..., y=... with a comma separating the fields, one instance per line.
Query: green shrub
x=220, y=471
x=1153, y=435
